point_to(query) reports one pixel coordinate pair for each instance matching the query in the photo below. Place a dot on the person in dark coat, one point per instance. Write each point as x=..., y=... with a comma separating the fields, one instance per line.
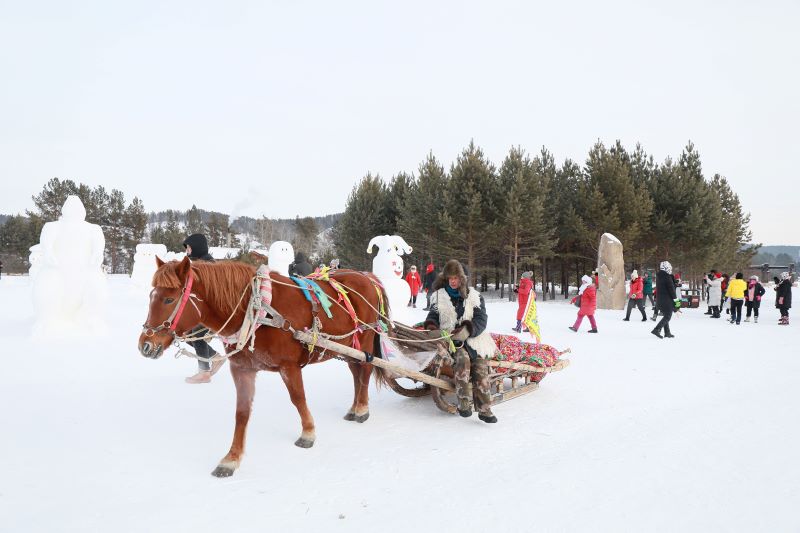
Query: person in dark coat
x=427, y=284
x=665, y=299
x=783, y=298
x=301, y=266
x=196, y=246
x=752, y=298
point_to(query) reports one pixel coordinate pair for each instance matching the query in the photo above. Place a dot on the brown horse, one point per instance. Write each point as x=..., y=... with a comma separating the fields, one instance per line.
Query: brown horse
x=215, y=293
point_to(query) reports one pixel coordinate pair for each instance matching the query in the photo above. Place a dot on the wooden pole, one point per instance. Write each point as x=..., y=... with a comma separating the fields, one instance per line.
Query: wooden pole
x=307, y=338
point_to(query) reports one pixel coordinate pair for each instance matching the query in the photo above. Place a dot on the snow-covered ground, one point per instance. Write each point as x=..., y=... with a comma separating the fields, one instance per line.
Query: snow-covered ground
x=696, y=433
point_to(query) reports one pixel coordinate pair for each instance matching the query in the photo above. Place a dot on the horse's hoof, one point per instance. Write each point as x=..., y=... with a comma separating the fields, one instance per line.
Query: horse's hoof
x=223, y=471
x=304, y=443
x=361, y=418
x=350, y=416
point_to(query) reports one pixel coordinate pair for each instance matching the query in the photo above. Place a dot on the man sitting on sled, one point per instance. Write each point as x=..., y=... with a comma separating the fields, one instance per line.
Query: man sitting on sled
x=461, y=311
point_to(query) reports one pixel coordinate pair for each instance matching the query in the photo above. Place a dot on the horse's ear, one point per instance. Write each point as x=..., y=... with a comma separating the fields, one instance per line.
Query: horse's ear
x=183, y=268
x=159, y=262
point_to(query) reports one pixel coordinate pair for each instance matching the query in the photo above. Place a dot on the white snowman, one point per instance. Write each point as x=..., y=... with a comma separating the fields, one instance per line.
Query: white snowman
x=280, y=256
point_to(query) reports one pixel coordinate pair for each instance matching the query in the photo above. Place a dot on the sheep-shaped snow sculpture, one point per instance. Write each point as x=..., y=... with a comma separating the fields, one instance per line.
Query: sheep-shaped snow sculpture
x=387, y=265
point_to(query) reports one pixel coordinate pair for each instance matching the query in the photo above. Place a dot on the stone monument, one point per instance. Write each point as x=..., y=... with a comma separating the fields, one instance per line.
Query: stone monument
x=611, y=274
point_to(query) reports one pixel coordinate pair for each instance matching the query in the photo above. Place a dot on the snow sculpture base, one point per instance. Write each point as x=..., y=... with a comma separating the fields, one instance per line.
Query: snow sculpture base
x=144, y=263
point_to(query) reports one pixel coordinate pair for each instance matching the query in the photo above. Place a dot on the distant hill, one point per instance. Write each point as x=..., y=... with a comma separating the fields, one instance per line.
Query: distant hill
x=777, y=255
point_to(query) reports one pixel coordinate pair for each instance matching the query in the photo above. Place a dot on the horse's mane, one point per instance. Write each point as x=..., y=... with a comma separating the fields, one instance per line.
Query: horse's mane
x=224, y=282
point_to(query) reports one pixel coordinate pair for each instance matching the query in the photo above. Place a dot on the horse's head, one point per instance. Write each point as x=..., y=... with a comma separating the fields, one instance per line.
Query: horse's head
x=172, y=311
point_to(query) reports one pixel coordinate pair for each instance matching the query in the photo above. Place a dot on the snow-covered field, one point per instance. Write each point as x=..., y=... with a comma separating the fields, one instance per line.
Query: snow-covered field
x=696, y=433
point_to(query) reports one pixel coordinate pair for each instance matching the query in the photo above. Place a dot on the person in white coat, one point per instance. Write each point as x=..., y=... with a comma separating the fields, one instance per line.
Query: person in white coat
x=714, y=283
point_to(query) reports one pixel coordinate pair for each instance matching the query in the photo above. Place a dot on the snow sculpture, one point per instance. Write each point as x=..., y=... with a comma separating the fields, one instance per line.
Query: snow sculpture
x=387, y=265
x=69, y=290
x=280, y=256
x=611, y=274
x=34, y=259
x=144, y=263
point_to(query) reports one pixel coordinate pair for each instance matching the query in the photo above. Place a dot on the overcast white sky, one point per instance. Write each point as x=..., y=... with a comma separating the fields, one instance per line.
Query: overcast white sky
x=278, y=108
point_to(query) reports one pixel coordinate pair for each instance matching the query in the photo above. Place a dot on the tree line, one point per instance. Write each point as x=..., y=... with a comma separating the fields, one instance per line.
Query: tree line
x=531, y=213
x=123, y=223
x=127, y=224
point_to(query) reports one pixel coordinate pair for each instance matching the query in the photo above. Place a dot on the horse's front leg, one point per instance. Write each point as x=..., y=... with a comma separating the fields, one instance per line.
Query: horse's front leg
x=359, y=411
x=293, y=378
x=245, y=381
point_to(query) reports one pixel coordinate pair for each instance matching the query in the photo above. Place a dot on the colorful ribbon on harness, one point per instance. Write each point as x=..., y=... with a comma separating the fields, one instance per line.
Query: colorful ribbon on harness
x=313, y=292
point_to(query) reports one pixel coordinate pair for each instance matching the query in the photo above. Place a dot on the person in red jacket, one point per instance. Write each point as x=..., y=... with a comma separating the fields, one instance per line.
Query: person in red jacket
x=414, y=281
x=523, y=291
x=588, y=296
x=636, y=296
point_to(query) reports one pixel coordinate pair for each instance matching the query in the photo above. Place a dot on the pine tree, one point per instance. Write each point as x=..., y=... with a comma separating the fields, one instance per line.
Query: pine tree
x=471, y=203
x=305, y=236
x=364, y=217
x=423, y=213
x=194, y=221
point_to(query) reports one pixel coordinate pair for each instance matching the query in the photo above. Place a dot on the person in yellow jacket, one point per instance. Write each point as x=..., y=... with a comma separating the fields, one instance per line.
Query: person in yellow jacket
x=736, y=289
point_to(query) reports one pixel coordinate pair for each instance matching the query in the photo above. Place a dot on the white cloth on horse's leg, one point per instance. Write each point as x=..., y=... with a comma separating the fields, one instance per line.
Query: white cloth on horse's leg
x=69, y=290
x=392, y=353
x=280, y=256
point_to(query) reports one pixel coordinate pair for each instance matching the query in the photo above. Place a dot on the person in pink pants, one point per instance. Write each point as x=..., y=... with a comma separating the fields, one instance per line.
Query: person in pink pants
x=588, y=295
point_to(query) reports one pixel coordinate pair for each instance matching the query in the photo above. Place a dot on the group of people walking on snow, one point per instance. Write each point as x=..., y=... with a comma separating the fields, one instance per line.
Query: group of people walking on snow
x=666, y=298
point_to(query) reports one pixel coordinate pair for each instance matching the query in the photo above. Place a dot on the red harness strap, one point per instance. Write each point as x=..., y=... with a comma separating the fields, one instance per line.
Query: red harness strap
x=186, y=293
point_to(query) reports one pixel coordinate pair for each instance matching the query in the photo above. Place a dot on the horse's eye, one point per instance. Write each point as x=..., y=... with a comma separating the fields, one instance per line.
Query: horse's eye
x=168, y=300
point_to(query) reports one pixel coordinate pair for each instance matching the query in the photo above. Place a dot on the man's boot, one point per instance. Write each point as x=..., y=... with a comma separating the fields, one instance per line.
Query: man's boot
x=481, y=393
x=518, y=327
x=755, y=319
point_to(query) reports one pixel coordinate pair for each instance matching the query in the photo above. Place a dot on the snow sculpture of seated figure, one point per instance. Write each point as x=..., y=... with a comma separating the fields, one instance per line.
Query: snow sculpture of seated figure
x=387, y=265
x=280, y=256
x=69, y=290
x=144, y=263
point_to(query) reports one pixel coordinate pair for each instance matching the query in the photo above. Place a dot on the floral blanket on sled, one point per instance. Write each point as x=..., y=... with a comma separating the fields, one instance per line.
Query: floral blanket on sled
x=514, y=350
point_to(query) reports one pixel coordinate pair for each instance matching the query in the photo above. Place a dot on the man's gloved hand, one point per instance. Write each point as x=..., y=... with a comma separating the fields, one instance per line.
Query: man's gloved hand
x=460, y=334
x=677, y=303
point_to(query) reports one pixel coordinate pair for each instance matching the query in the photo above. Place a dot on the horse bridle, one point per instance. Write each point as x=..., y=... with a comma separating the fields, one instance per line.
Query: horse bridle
x=172, y=322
